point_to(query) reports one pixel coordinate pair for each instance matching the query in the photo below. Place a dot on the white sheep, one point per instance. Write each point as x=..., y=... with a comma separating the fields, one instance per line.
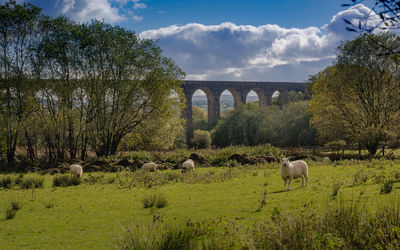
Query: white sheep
x=76, y=169
x=294, y=170
x=150, y=166
x=187, y=165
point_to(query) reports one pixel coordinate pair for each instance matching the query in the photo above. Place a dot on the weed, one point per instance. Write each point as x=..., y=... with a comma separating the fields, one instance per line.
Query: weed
x=387, y=186
x=360, y=177
x=66, y=180
x=49, y=204
x=335, y=188
x=10, y=213
x=263, y=201
x=12, y=210
x=161, y=201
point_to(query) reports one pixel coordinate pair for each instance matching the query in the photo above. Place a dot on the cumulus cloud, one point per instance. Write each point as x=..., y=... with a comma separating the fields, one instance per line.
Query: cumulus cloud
x=112, y=11
x=261, y=53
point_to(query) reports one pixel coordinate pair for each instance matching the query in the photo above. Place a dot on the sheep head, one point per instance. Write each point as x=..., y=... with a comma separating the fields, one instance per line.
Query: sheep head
x=285, y=162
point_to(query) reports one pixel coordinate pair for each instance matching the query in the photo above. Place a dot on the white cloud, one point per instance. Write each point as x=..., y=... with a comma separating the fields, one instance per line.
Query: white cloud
x=111, y=11
x=261, y=53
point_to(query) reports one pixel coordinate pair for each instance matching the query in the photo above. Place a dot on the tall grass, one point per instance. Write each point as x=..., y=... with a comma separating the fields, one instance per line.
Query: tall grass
x=347, y=225
x=32, y=182
x=66, y=180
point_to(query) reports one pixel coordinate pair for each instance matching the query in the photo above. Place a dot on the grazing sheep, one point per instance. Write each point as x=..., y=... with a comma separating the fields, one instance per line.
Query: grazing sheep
x=187, y=165
x=76, y=169
x=294, y=170
x=150, y=166
x=326, y=159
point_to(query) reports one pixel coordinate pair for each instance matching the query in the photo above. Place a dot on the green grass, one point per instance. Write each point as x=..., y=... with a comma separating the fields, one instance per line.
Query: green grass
x=94, y=216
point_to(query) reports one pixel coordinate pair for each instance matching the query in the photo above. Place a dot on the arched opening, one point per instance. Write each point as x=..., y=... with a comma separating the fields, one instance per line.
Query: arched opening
x=226, y=102
x=200, y=109
x=252, y=97
x=257, y=95
x=275, y=100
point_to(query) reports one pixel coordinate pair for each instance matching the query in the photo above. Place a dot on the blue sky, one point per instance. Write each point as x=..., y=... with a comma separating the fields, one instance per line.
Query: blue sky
x=254, y=40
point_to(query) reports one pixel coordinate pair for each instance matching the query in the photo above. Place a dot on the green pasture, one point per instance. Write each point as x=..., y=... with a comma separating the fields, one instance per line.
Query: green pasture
x=93, y=215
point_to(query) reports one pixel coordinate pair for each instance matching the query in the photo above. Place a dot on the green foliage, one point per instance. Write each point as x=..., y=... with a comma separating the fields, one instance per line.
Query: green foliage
x=252, y=125
x=199, y=117
x=357, y=99
x=201, y=138
x=28, y=182
x=66, y=180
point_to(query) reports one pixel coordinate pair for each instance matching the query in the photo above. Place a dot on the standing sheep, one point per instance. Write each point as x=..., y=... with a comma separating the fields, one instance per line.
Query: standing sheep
x=150, y=166
x=76, y=169
x=294, y=170
x=187, y=165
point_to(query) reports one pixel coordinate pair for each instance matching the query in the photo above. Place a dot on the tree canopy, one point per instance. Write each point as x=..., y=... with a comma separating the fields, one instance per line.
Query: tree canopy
x=358, y=98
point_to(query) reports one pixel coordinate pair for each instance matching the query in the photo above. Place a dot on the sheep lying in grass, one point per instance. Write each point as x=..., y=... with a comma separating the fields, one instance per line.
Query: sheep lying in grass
x=187, y=165
x=294, y=170
x=150, y=166
x=76, y=169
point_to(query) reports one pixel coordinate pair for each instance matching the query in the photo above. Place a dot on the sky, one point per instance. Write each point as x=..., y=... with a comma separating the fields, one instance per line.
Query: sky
x=254, y=40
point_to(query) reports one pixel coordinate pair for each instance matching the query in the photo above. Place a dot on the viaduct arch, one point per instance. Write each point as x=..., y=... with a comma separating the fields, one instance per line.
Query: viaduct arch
x=239, y=91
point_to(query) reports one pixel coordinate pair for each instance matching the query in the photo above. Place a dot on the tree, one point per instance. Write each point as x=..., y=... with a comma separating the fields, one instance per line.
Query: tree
x=199, y=118
x=358, y=98
x=385, y=15
x=18, y=36
x=201, y=138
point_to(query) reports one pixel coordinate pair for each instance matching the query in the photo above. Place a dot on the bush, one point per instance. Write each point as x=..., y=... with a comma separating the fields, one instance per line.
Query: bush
x=201, y=138
x=66, y=180
x=31, y=182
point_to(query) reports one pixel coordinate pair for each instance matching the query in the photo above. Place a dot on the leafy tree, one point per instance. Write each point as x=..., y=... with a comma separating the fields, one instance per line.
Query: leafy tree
x=201, y=138
x=252, y=125
x=199, y=118
x=18, y=35
x=358, y=98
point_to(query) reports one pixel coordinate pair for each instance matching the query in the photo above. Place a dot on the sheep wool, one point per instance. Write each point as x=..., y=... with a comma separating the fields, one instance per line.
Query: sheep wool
x=187, y=165
x=76, y=169
x=294, y=170
x=150, y=166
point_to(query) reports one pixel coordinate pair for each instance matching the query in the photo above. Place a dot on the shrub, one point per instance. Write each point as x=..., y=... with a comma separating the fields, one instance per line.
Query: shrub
x=31, y=182
x=201, y=138
x=387, y=186
x=66, y=180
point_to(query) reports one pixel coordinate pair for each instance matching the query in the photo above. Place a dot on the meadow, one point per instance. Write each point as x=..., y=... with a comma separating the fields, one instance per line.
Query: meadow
x=220, y=207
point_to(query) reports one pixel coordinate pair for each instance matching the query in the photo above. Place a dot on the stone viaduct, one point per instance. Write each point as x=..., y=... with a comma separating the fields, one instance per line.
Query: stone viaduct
x=239, y=91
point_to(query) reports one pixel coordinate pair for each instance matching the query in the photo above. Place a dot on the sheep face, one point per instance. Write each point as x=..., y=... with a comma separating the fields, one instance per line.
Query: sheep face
x=285, y=162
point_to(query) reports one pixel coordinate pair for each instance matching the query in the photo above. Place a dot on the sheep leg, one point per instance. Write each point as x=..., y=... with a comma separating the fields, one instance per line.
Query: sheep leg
x=285, y=185
x=306, y=181
x=302, y=181
x=289, y=184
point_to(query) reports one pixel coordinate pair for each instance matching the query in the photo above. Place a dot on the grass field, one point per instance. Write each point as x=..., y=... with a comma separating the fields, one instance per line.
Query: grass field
x=94, y=213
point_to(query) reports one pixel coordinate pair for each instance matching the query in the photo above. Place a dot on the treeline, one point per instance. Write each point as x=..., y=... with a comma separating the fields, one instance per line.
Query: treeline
x=283, y=126
x=67, y=88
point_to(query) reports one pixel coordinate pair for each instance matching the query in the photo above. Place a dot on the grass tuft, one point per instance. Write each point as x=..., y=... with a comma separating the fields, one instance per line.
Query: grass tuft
x=158, y=200
x=31, y=182
x=387, y=186
x=66, y=180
